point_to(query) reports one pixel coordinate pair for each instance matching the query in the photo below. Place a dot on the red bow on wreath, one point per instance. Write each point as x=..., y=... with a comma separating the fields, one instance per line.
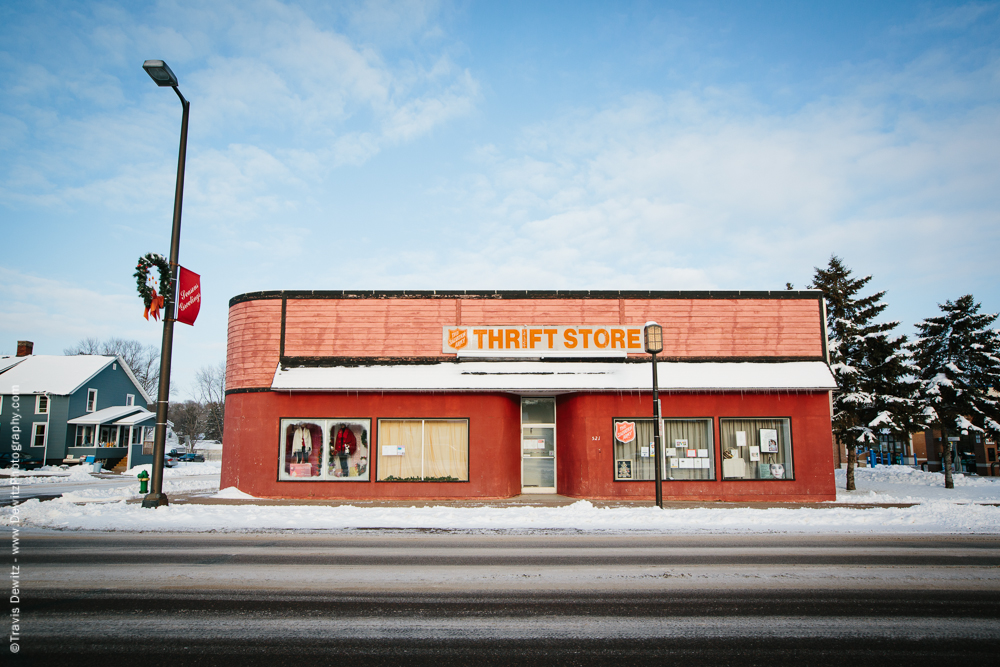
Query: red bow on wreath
x=154, y=307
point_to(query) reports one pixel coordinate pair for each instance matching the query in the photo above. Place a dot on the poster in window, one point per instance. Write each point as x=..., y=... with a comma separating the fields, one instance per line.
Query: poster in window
x=754, y=453
x=768, y=441
x=741, y=438
x=623, y=468
x=681, y=443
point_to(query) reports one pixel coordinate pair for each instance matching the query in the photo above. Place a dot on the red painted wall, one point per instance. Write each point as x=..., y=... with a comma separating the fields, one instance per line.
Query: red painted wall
x=252, y=432
x=585, y=467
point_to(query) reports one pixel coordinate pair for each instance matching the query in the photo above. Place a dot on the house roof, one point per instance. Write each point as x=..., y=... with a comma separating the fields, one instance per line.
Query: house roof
x=58, y=375
x=8, y=361
x=107, y=415
x=535, y=377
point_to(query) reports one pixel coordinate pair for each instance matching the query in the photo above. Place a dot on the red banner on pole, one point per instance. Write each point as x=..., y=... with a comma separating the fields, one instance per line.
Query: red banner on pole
x=188, y=296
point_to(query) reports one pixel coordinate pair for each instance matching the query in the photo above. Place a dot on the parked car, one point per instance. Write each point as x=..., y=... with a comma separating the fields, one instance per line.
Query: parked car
x=191, y=458
x=25, y=462
x=169, y=461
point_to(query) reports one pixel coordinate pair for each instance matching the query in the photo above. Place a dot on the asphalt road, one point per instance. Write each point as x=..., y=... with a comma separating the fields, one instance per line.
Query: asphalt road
x=558, y=598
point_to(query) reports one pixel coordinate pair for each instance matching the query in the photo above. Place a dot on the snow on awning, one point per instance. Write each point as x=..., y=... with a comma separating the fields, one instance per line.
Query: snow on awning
x=548, y=377
x=137, y=418
x=106, y=415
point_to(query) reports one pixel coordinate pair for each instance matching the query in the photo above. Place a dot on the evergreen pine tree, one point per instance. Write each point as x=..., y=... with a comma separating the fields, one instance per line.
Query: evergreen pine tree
x=875, y=378
x=959, y=357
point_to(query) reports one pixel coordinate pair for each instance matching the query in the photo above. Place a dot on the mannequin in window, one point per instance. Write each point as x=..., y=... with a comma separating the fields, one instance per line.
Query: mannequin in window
x=301, y=444
x=344, y=444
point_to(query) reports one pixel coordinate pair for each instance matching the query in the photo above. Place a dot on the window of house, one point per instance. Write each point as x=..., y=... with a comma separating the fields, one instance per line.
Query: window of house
x=38, y=434
x=688, y=449
x=91, y=400
x=423, y=450
x=41, y=404
x=129, y=399
x=84, y=436
x=756, y=448
x=325, y=449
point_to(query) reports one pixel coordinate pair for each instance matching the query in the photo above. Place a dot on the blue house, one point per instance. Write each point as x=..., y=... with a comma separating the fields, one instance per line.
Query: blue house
x=60, y=407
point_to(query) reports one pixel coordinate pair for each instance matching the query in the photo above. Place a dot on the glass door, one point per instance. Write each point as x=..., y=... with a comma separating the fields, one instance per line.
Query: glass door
x=538, y=445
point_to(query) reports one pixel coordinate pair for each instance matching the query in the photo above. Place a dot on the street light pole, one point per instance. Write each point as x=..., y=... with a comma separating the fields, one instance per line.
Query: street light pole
x=163, y=76
x=653, y=335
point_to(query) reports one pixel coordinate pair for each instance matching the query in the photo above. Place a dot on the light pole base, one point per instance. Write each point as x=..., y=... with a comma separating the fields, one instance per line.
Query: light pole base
x=155, y=500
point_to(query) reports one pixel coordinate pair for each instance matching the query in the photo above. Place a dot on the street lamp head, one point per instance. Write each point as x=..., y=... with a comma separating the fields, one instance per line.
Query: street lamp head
x=652, y=336
x=159, y=72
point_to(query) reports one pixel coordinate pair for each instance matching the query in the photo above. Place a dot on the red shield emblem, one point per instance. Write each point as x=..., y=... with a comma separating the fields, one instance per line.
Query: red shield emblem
x=458, y=338
x=625, y=431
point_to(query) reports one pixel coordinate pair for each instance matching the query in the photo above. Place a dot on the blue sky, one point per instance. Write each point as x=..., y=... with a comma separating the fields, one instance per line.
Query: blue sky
x=476, y=145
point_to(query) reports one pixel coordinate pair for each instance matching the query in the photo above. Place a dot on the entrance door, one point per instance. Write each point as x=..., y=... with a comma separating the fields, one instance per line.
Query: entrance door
x=538, y=445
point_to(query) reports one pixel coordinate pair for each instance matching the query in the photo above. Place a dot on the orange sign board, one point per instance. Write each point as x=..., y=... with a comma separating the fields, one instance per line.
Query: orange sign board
x=533, y=340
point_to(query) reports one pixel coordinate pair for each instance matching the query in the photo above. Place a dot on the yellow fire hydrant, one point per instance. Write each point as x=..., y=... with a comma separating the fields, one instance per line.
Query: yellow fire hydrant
x=143, y=482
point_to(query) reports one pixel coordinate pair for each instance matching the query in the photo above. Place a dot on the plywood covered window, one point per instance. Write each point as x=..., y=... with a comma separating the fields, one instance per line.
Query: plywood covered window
x=423, y=450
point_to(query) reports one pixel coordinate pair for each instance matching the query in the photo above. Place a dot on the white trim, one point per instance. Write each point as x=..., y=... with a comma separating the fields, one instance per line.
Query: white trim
x=91, y=407
x=38, y=402
x=129, y=399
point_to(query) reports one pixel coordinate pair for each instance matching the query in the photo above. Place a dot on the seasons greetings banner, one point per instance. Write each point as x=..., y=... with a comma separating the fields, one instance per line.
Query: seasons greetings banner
x=188, y=296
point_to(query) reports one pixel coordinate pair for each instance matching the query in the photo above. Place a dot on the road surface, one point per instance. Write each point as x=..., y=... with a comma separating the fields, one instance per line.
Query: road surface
x=556, y=598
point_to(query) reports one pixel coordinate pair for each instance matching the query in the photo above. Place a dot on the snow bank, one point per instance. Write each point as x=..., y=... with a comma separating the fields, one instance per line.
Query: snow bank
x=106, y=494
x=931, y=517
x=233, y=492
x=903, y=484
x=182, y=469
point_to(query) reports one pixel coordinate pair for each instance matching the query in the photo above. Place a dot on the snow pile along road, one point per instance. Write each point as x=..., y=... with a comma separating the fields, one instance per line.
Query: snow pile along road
x=933, y=517
x=903, y=484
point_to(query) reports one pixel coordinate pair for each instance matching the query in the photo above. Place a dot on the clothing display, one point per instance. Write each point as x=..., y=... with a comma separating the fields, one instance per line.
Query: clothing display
x=301, y=444
x=344, y=444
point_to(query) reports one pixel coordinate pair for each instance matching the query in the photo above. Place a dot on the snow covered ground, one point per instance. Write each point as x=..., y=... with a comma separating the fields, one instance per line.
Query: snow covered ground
x=962, y=510
x=903, y=484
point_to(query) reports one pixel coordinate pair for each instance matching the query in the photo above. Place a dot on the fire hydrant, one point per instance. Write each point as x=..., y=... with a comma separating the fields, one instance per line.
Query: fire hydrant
x=143, y=482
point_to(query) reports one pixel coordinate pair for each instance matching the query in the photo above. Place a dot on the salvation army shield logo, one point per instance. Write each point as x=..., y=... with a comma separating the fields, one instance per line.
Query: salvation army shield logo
x=625, y=431
x=458, y=338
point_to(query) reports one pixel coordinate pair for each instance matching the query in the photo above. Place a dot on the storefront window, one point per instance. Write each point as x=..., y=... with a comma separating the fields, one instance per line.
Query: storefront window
x=325, y=450
x=756, y=448
x=423, y=450
x=688, y=447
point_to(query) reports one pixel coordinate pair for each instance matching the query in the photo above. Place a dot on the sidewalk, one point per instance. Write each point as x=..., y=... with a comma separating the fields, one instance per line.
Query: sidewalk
x=538, y=500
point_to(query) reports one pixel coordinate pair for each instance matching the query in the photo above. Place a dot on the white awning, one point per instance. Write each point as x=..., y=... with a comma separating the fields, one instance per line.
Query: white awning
x=560, y=377
x=137, y=418
x=106, y=415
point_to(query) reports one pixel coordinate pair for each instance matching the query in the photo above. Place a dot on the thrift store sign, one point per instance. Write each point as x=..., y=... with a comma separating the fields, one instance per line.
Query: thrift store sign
x=594, y=340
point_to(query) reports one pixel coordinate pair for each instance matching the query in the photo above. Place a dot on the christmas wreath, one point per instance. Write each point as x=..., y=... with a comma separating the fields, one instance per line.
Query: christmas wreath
x=153, y=301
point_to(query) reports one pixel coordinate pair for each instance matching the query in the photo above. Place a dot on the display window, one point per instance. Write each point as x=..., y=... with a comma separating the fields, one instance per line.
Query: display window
x=688, y=449
x=325, y=450
x=756, y=448
x=423, y=450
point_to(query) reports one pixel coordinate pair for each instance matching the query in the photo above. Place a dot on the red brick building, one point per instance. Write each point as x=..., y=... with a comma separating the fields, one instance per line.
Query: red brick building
x=481, y=394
